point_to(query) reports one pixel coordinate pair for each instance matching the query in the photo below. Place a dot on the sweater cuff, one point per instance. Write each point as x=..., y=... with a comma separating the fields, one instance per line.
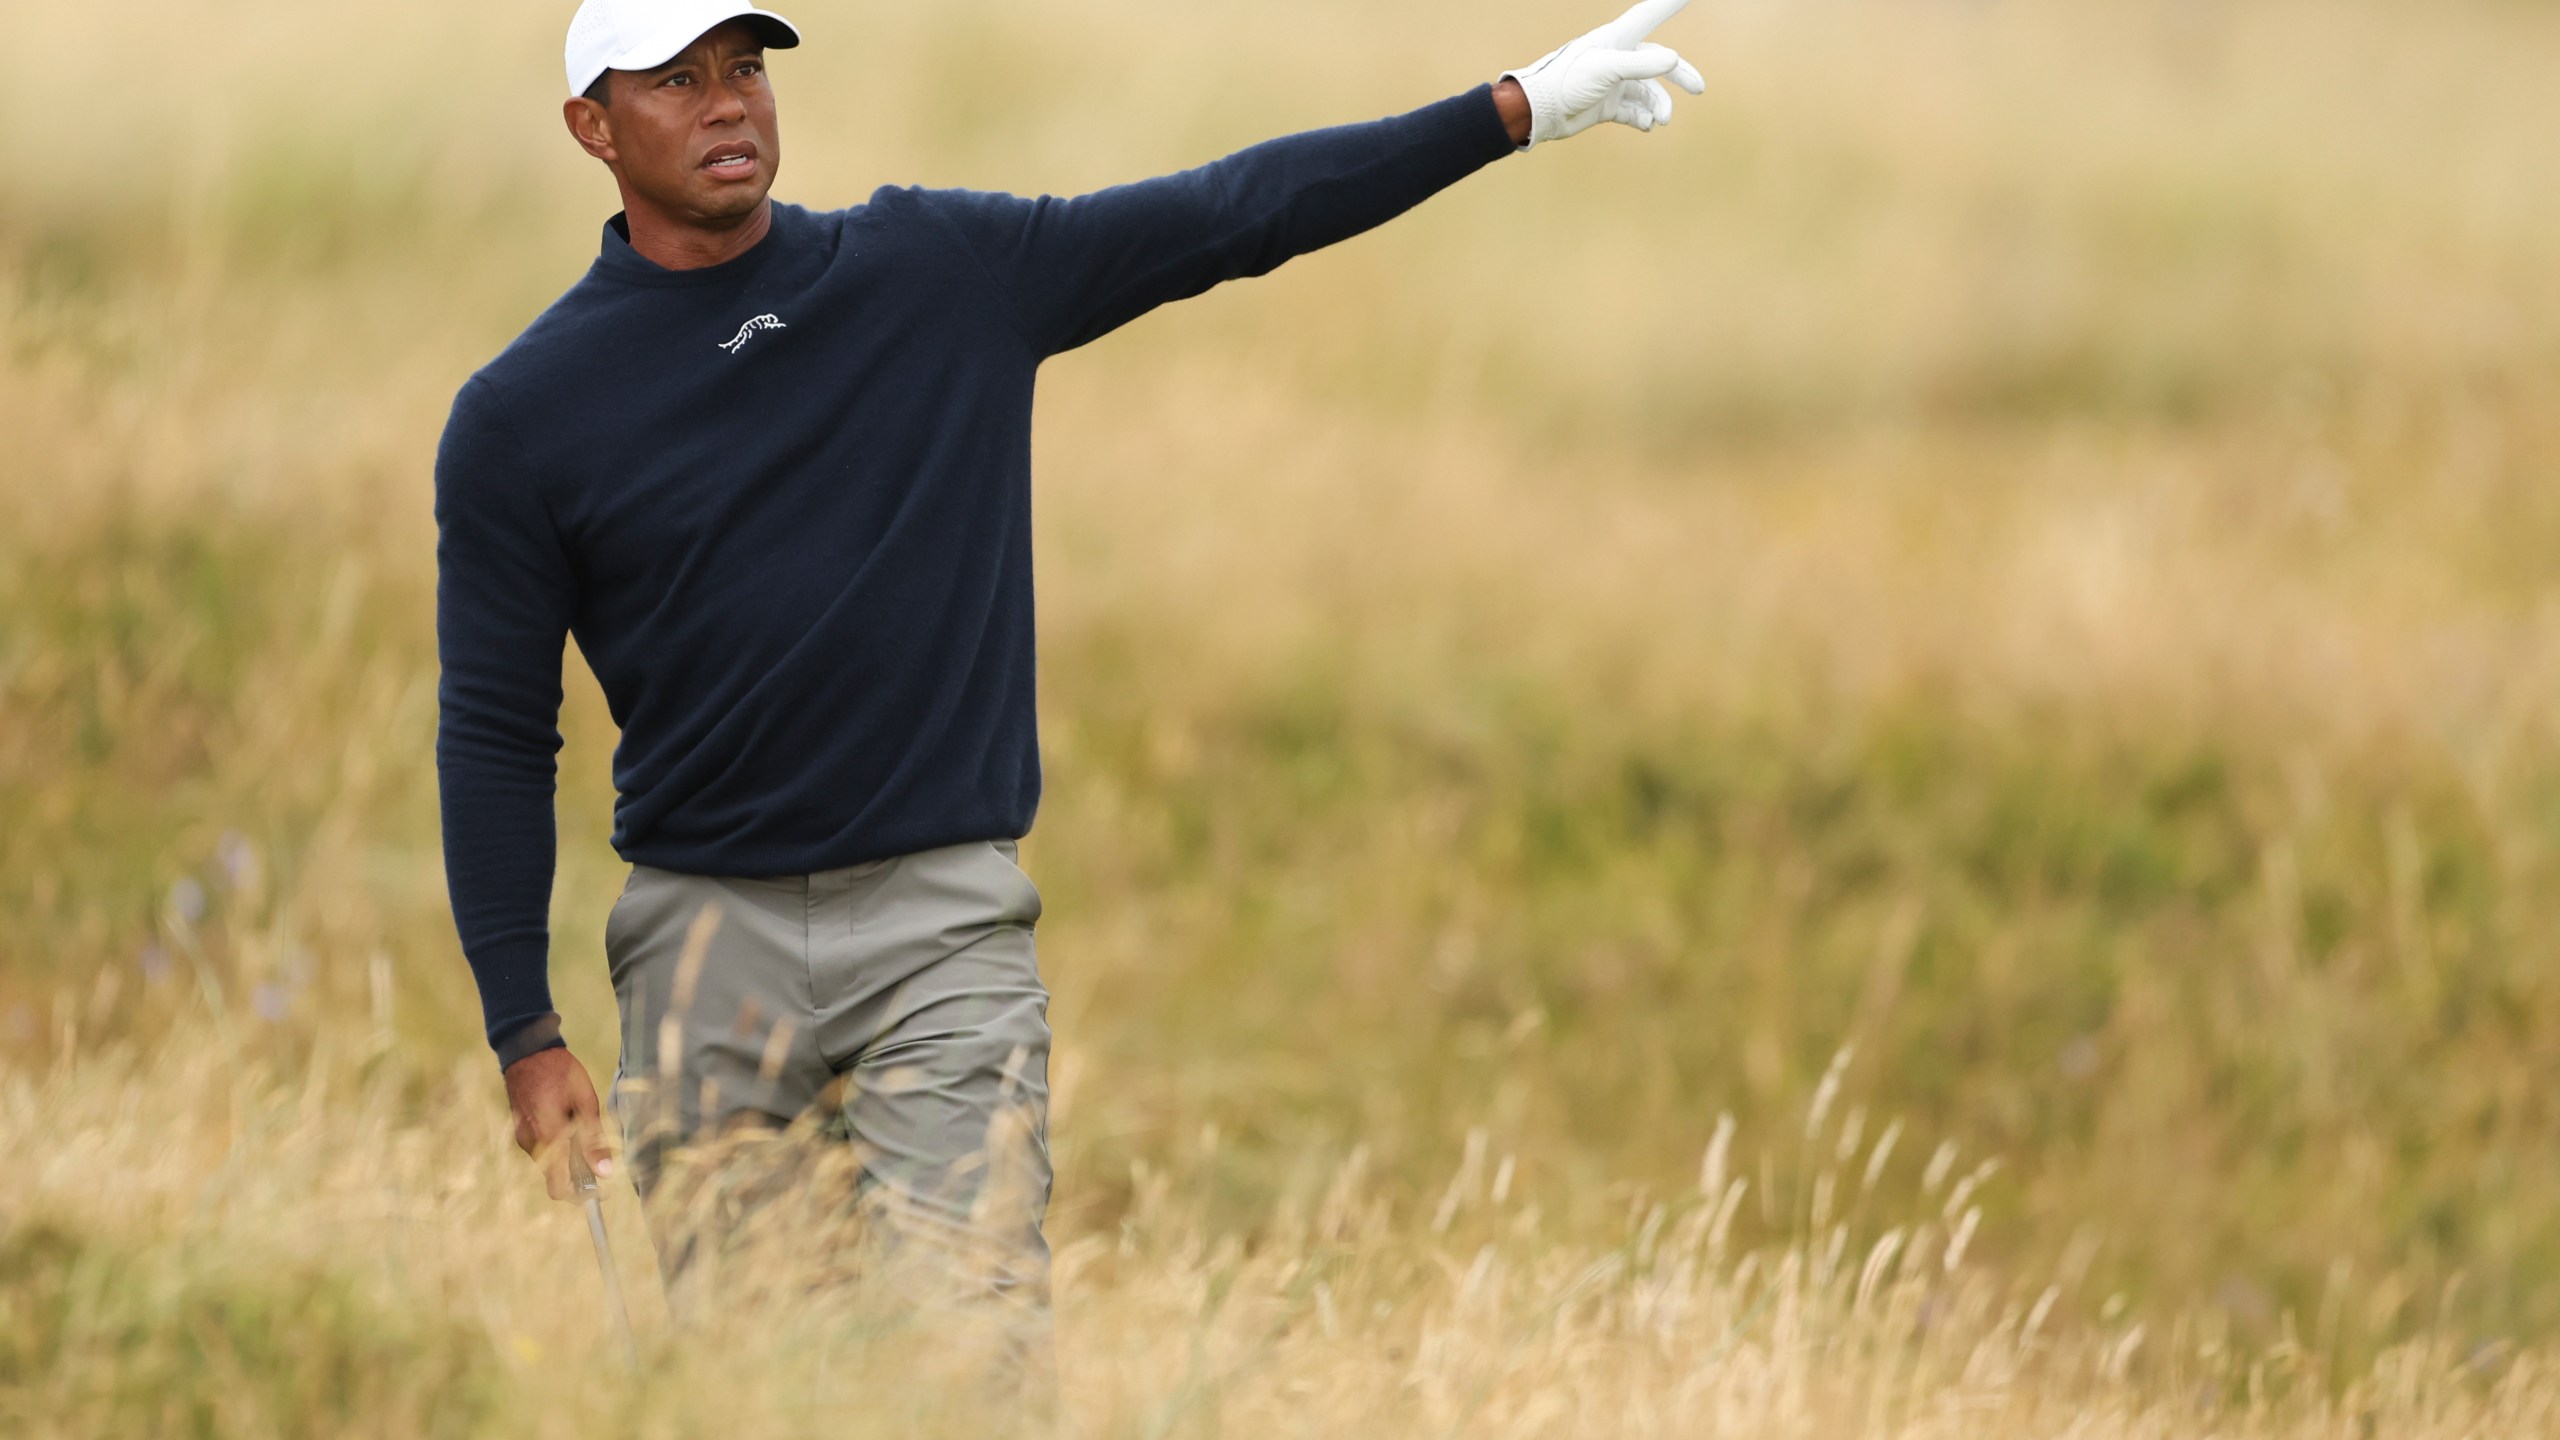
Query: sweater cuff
x=538, y=1034
x=1492, y=132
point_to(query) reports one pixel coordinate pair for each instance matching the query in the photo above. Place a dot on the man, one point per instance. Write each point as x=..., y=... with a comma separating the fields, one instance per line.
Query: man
x=771, y=467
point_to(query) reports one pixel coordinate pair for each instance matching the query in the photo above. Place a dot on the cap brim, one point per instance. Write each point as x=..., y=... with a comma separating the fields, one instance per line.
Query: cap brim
x=657, y=50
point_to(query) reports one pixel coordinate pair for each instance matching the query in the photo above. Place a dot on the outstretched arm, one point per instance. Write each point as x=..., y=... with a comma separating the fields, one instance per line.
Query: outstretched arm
x=1073, y=270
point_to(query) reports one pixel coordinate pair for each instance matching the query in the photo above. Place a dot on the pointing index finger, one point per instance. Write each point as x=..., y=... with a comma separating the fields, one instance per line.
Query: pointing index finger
x=1643, y=20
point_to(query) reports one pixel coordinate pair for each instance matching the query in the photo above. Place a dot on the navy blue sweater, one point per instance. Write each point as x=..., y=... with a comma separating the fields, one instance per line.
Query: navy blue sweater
x=784, y=505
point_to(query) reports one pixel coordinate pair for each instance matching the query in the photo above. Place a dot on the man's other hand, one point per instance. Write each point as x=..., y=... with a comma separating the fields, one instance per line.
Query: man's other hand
x=1611, y=74
x=557, y=1116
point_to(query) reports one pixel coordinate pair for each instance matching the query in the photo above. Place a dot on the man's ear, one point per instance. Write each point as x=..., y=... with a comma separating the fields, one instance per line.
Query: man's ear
x=591, y=126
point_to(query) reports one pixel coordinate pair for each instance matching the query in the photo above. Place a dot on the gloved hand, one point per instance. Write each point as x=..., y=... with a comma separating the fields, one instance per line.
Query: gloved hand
x=1609, y=74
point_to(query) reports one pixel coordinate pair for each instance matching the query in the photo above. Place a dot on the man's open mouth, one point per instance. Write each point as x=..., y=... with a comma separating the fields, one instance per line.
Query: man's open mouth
x=733, y=159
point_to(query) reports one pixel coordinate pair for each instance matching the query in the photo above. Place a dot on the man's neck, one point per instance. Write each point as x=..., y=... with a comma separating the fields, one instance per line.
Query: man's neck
x=675, y=245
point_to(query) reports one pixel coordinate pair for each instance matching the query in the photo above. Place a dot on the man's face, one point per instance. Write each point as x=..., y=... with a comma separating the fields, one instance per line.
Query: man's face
x=697, y=136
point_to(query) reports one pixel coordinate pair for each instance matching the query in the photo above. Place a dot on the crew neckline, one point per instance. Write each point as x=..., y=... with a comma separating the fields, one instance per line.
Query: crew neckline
x=617, y=260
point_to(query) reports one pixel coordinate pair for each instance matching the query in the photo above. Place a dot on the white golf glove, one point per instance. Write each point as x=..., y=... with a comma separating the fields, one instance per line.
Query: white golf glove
x=1610, y=74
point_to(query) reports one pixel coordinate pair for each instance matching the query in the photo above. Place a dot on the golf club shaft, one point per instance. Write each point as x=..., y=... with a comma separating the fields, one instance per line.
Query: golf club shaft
x=616, y=1309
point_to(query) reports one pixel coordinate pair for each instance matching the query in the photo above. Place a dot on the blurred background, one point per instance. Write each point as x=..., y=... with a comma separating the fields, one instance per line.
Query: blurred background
x=2015, y=541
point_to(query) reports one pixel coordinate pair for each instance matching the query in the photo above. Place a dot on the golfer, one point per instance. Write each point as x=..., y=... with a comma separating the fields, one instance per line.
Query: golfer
x=771, y=466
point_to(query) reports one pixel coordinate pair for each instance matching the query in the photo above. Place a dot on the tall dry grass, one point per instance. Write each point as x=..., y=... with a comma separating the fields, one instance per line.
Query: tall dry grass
x=2011, y=538
x=343, y=1249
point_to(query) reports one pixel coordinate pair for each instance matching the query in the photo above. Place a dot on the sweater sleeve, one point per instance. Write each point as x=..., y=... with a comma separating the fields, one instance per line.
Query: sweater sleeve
x=1076, y=269
x=505, y=593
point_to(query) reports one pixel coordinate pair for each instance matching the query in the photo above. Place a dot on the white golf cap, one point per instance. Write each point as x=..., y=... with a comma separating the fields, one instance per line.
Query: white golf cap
x=645, y=34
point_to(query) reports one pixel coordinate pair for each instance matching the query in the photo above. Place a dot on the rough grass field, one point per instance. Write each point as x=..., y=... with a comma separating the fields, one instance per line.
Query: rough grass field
x=1881, y=765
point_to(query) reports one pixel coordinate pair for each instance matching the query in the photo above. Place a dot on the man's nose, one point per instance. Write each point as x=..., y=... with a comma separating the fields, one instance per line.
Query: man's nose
x=727, y=106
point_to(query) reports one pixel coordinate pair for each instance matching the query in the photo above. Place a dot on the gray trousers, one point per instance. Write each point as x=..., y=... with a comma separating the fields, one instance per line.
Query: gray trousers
x=896, y=1002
